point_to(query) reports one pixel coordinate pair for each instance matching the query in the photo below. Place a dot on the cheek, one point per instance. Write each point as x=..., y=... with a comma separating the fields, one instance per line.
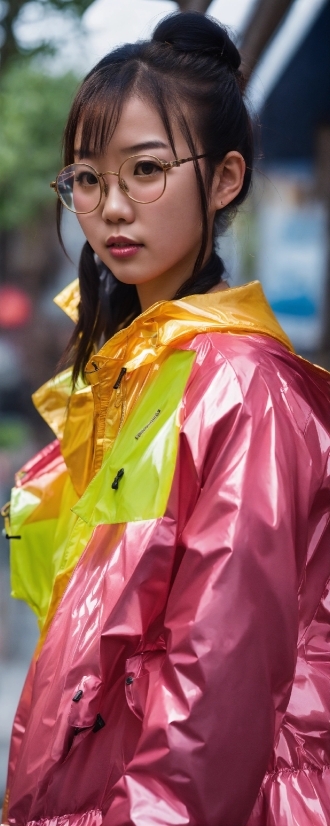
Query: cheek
x=87, y=225
x=177, y=220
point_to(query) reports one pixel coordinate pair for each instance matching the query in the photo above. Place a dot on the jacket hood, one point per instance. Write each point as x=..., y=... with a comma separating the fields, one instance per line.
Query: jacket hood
x=167, y=324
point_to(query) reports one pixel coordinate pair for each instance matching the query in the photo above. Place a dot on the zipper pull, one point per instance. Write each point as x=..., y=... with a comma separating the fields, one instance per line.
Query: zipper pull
x=120, y=377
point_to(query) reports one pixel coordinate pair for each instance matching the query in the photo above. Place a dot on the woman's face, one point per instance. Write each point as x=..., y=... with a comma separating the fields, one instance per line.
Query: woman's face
x=154, y=245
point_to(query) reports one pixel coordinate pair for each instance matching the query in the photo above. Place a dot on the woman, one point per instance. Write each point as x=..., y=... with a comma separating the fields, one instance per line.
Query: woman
x=174, y=538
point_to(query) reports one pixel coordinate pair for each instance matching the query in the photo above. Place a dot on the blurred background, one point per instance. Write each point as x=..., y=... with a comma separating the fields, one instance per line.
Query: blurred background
x=281, y=235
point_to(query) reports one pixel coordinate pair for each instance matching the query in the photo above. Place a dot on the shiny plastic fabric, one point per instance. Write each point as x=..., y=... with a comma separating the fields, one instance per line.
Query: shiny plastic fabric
x=89, y=421
x=184, y=677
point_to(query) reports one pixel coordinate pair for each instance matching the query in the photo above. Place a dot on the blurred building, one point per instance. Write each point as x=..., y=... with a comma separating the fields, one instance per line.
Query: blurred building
x=292, y=198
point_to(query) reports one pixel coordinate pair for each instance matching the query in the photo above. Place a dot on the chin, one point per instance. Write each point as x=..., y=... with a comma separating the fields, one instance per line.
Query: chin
x=127, y=280
x=125, y=277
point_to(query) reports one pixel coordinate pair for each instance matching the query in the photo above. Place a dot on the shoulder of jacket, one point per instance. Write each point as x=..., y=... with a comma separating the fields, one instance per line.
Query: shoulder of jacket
x=245, y=354
x=255, y=370
x=250, y=345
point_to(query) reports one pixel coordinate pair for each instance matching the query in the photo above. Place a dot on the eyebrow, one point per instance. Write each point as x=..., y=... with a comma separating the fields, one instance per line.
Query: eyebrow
x=137, y=147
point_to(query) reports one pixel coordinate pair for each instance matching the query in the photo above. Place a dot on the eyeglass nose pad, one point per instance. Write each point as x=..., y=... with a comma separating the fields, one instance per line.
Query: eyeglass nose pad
x=104, y=189
x=123, y=185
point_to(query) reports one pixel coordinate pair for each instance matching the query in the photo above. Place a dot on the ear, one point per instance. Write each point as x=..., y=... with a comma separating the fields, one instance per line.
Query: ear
x=228, y=180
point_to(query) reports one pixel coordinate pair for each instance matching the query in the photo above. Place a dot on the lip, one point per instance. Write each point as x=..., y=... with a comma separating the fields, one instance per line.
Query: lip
x=120, y=246
x=123, y=240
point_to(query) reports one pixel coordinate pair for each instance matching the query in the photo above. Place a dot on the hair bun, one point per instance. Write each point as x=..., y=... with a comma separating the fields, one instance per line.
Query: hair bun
x=192, y=32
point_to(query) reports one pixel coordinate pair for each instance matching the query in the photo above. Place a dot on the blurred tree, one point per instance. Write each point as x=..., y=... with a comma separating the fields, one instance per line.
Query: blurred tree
x=10, y=12
x=33, y=108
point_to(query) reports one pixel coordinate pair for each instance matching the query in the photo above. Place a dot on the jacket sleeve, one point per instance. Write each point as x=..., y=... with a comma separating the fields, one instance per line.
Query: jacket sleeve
x=231, y=621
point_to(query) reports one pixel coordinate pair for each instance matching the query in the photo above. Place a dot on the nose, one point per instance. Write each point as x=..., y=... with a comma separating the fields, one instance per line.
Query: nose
x=116, y=206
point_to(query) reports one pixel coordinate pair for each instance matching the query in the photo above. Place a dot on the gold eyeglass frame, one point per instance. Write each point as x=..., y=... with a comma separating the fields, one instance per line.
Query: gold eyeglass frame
x=166, y=166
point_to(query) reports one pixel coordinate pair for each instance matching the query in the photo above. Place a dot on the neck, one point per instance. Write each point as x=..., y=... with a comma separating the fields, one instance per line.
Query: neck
x=165, y=285
x=169, y=286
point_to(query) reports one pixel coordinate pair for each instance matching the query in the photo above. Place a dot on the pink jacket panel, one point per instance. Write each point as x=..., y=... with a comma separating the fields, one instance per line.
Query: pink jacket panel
x=199, y=640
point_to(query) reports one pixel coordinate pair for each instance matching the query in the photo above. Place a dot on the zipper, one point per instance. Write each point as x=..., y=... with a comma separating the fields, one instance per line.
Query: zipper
x=124, y=402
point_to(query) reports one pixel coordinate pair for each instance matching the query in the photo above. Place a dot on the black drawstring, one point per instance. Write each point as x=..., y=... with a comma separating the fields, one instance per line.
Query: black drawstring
x=117, y=478
x=99, y=723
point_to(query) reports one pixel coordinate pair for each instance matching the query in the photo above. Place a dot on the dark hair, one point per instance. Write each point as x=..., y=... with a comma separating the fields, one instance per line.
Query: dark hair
x=189, y=58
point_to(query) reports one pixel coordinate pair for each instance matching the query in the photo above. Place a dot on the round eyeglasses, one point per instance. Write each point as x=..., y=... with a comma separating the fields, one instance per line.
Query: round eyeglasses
x=141, y=177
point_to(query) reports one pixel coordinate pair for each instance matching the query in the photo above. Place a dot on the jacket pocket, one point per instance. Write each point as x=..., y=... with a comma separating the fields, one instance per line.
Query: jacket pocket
x=86, y=701
x=141, y=674
x=84, y=715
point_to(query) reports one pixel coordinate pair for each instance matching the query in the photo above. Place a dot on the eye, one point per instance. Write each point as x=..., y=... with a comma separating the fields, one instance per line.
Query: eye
x=85, y=178
x=147, y=169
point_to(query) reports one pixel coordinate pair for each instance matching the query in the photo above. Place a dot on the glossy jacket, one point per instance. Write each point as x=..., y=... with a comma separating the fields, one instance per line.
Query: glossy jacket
x=175, y=546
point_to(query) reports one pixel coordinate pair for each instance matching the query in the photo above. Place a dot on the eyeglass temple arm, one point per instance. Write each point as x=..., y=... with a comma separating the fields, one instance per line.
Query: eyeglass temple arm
x=179, y=161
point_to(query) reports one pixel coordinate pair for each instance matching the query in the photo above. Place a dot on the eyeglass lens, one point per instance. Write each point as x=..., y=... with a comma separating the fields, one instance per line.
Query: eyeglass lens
x=142, y=178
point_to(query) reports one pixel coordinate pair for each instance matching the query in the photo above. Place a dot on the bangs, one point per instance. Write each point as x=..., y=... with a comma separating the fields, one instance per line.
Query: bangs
x=96, y=126
x=96, y=111
x=97, y=108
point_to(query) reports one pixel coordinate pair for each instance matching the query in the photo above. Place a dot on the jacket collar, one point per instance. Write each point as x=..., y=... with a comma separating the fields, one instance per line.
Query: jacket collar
x=167, y=324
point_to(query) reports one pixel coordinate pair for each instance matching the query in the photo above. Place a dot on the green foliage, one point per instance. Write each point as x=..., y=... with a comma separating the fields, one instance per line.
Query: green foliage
x=10, y=14
x=14, y=432
x=33, y=108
